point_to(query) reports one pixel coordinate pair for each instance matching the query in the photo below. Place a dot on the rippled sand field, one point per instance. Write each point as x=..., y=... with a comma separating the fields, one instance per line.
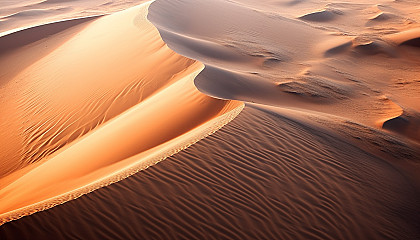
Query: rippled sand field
x=317, y=105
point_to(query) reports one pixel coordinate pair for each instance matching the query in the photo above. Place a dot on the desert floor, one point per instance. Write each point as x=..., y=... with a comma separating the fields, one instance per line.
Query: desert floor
x=222, y=119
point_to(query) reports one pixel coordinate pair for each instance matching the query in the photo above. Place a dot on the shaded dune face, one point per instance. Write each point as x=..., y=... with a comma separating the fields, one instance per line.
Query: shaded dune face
x=81, y=121
x=407, y=38
x=266, y=175
x=19, y=39
x=412, y=42
x=313, y=55
x=252, y=49
x=321, y=16
x=406, y=124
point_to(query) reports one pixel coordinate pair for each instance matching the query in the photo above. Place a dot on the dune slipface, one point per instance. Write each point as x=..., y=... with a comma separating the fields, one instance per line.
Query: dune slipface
x=109, y=101
x=313, y=55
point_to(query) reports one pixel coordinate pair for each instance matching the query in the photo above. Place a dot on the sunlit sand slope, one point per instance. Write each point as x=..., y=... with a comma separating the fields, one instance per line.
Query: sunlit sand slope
x=110, y=100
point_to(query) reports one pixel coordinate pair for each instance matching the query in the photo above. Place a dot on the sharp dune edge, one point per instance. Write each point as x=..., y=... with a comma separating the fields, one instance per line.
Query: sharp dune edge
x=156, y=89
x=326, y=146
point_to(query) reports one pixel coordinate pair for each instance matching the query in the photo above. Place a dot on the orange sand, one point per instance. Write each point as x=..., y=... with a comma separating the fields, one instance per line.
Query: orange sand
x=87, y=119
x=327, y=146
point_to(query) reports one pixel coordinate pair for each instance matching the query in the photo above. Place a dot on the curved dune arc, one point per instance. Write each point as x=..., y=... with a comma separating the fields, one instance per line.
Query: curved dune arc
x=68, y=175
x=72, y=91
x=172, y=116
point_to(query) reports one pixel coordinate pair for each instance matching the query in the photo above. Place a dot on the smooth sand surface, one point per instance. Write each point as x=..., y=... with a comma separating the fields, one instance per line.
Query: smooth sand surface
x=327, y=146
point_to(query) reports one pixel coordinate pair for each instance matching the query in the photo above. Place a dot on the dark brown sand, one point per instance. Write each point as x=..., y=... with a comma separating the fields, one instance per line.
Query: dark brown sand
x=266, y=175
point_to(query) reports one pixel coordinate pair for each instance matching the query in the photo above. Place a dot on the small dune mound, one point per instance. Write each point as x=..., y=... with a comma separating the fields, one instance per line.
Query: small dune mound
x=382, y=17
x=338, y=49
x=407, y=38
x=363, y=46
x=407, y=124
x=335, y=45
x=372, y=47
x=321, y=16
x=315, y=87
x=46, y=2
x=271, y=61
x=294, y=2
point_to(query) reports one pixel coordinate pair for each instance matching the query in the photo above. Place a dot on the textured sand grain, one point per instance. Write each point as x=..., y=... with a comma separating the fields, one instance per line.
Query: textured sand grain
x=266, y=175
x=327, y=146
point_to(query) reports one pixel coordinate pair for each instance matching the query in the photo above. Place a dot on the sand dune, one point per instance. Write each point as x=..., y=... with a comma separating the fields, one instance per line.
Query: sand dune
x=320, y=16
x=384, y=18
x=75, y=105
x=327, y=146
x=312, y=63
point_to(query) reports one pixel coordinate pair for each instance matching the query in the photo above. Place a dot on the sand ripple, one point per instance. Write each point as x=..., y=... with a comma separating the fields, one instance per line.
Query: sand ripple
x=265, y=175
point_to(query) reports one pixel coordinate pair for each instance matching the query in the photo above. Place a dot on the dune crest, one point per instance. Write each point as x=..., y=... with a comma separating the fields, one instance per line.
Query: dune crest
x=90, y=122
